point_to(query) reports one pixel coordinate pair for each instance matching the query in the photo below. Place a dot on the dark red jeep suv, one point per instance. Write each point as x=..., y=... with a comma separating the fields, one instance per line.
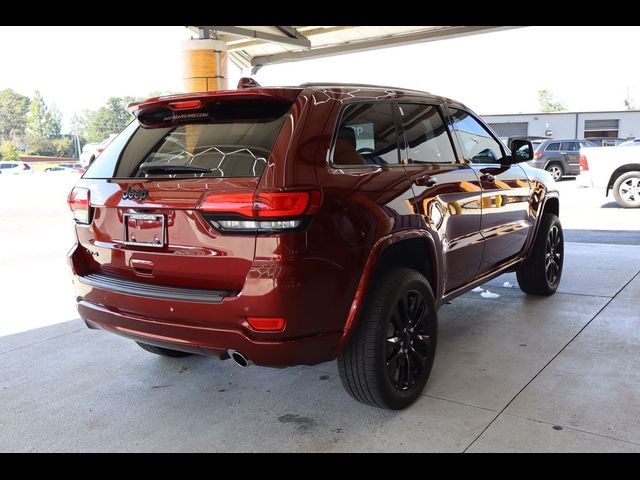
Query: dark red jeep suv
x=286, y=226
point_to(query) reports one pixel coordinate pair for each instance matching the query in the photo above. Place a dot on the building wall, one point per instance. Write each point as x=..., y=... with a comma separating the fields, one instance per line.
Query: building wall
x=563, y=125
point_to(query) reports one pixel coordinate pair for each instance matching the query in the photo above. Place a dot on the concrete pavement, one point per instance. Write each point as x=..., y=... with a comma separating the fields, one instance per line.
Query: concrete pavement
x=513, y=373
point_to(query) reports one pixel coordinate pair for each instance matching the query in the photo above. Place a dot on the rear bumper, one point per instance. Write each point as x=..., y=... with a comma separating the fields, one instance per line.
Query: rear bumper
x=201, y=325
x=584, y=179
x=209, y=340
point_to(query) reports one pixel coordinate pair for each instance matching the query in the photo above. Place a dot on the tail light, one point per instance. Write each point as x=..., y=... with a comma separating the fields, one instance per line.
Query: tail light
x=25, y=167
x=99, y=150
x=260, y=211
x=537, y=155
x=79, y=203
x=584, y=165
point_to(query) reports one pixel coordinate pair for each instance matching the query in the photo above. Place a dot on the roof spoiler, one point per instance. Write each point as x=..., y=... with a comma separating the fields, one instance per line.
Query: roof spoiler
x=194, y=101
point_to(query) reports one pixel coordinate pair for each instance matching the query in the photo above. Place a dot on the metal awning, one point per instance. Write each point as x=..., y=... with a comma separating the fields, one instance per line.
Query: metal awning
x=265, y=45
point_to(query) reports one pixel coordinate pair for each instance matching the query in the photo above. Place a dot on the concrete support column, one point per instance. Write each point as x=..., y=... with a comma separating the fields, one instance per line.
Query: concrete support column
x=204, y=64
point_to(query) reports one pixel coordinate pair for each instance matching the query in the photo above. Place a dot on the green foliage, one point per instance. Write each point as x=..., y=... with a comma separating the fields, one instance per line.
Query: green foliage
x=9, y=152
x=109, y=119
x=43, y=126
x=80, y=123
x=63, y=146
x=13, y=114
x=39, y=145
x=547, y=102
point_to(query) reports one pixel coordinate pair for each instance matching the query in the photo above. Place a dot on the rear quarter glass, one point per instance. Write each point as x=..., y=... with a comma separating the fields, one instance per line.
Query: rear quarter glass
x=231, y=139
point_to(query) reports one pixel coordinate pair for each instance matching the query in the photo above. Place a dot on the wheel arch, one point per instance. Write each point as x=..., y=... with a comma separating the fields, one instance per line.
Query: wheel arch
x=629, y=167
x=551, y=204
x=415, y=249
x=553, y=161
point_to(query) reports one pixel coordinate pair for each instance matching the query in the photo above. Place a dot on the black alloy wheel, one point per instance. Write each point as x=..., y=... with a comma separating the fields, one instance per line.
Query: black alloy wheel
x=408, y=346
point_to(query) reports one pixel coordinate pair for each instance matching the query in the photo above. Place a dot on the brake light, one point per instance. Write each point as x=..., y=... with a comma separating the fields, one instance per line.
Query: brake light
x=288, y=204
x=185, y=105
x=537, y=155
x=26, y=167
x=99, y=150
x=584, y=165
x=79, y=203
x=284, y=210
x=264, y=324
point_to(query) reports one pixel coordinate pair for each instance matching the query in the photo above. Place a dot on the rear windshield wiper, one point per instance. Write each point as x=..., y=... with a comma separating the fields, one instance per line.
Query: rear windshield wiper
x=149, y=167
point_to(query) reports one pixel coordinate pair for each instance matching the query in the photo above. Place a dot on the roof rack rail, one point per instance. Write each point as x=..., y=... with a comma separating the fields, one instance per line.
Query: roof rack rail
x=362, y=85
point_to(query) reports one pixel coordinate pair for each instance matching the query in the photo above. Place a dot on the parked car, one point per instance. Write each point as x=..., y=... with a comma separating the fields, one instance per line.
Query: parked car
x=295, y=225
x=630, y=143
x=63, y=169
x=615, y=170
x=74, y=166
x=559, y=157
x=7, y=168
x=90, y=151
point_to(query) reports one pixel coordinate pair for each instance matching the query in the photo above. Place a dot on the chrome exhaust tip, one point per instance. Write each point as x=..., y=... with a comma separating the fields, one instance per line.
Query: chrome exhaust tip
x=240, y=359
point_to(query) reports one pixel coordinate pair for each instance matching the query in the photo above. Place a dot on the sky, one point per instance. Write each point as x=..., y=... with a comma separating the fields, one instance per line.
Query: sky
x=586, y=68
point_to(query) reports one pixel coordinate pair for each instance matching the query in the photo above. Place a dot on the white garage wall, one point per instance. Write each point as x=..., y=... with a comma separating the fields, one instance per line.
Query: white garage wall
x=563, y=125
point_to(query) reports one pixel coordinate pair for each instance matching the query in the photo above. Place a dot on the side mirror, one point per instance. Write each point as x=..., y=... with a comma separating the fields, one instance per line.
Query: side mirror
x=521, y=151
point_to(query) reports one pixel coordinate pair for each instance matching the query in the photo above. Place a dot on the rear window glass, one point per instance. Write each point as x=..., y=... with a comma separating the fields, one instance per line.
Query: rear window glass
x=366, y=136
x=225, y=139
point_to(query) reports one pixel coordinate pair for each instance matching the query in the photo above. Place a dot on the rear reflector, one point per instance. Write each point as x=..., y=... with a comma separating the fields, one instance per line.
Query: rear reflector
x=78, y=201
x=584, y=165
x=266, y=324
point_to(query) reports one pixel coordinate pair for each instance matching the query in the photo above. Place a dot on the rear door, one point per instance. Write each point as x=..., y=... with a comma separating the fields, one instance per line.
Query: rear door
x=447, y=192
x=147, y=184
x=505, y=191
x=570, y=152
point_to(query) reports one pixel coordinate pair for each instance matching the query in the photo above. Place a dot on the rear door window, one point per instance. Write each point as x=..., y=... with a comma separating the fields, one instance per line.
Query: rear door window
x=231, y=138
x=366, y=136
x=425, y=134
x=568, y=146
x=552, y=147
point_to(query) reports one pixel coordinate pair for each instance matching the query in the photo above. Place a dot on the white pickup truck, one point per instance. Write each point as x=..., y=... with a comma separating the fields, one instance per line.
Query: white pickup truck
x=615, y=169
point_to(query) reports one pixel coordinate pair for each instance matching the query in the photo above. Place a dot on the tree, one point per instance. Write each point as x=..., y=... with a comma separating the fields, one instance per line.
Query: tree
x=13, y=114
x=62, y=146
x=43, y=121
x=547, y=102
x=9, y=152
x=81, y=121
x=109, y=119
x=43, y=126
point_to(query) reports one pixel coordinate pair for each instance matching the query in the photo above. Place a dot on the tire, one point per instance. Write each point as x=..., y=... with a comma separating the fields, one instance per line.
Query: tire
x=164, y=352
x=541, y=272
x=626, y=190
x=556, y=171
x=373, y=366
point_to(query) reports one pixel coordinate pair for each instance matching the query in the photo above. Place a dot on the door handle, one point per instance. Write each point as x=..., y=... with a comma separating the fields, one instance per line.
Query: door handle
x=487, y=177
x=426, y=181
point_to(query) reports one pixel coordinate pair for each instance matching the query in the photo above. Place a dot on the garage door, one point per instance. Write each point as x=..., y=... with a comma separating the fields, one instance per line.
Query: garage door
x=516, y=129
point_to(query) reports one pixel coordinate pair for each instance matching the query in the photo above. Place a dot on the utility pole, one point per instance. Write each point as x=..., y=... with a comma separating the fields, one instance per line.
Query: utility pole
x=75, y=129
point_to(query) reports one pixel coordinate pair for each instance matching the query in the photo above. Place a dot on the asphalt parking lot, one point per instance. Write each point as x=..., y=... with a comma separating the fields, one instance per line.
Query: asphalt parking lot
x=512, y=373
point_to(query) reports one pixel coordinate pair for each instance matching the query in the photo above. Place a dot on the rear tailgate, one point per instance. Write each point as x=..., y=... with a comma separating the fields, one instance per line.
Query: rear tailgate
x=146, y=186
x=192, y=254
